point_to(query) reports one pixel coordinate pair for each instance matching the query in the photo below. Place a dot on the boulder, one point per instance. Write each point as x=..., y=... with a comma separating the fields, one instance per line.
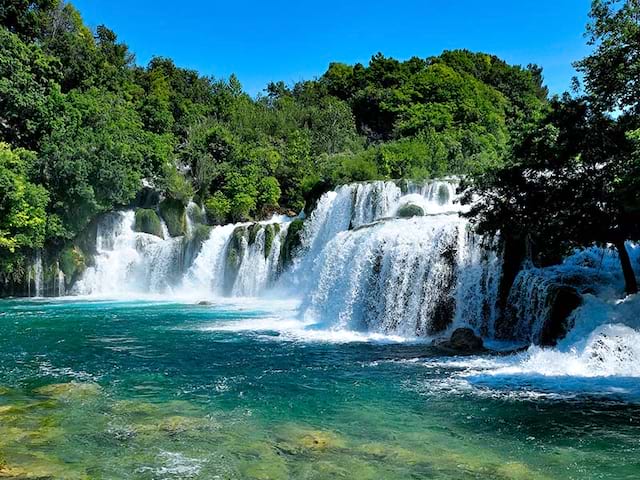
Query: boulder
x=147, y=221
x=174, y=215
x=410, y=210
x=464, y=340
x=564, y=299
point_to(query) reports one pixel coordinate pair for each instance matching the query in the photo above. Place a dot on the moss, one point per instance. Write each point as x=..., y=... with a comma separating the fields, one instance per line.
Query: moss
x=72, y=262
x=193, y=244
x=292, y=241
x=269, y=235
x=147, y=221
x=233, y=256
x=174, y=215
x=410, y=210
x=253, y=232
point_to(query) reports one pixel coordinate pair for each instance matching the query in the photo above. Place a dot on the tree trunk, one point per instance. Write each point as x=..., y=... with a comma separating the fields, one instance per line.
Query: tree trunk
x=630, y=283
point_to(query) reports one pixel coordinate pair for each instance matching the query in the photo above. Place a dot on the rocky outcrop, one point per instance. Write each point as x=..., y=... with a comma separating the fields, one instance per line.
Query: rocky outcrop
x=147, y=221
x=174, y=215
x=563, y=300
x=292, y=242
x=410, y=210
x=463, y=340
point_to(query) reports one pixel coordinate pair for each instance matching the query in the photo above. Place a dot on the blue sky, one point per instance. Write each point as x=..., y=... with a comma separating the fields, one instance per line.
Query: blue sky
x=295, y=40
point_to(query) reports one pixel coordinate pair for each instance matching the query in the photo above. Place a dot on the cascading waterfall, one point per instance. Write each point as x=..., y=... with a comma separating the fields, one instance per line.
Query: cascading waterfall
x=239, y=260
x=363, y=269
x=359, y=266
x=594, y=271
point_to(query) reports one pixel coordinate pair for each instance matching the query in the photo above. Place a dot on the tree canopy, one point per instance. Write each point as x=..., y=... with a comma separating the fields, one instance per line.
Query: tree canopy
x=100, y=127
x=573, y=178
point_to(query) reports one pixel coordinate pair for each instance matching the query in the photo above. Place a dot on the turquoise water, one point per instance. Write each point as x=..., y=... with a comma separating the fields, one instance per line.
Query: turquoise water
x=158, y=390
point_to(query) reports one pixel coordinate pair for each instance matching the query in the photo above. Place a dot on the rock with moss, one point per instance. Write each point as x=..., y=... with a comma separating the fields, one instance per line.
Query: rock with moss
x=233, y=257
x=174, y=215
x=72, y=262
x=270, y=233
x=253, y=232
x=410, y=210
x=193, y=244
x=292, y=242
x=147, y=221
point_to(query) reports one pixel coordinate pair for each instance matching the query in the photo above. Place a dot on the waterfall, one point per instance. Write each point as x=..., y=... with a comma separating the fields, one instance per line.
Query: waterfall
x=35, y=274
x=128, y=261
x=238, y=260
x=595, y=271
x=364, y=269
x=61, y=282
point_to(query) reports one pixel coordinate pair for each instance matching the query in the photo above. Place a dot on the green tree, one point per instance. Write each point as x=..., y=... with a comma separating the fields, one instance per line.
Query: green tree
x=23, y=205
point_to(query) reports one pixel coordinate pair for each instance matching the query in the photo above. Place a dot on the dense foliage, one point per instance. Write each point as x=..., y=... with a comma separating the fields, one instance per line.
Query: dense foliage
x=85, y=128
x=573, y=178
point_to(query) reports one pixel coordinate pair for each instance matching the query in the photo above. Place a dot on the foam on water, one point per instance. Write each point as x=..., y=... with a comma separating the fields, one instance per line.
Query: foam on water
x=599, y=358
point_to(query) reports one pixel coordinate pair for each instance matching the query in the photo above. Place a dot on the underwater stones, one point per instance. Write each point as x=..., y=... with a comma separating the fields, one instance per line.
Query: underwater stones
x=564, y=300
x=292, y=241
x=410, y=210
x=147, y=221
x=174, y=215
x=70, y=391
x=294, y=440
x=464, y=340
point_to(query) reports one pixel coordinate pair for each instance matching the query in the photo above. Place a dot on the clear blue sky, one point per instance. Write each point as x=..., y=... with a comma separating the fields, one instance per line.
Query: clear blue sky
x=294, y=40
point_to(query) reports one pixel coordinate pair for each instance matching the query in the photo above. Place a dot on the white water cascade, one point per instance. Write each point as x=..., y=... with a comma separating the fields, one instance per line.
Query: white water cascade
x=239, y=260
x=364, y=269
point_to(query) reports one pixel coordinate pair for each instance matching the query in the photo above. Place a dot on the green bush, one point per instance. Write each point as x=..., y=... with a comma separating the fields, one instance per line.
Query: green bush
x=72, y=262
x=217, y=207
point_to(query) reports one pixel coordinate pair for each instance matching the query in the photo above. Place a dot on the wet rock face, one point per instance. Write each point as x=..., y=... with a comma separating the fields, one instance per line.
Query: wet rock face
x=464, y=340
x=147, y=221
x=173, y=213
x=564, y=300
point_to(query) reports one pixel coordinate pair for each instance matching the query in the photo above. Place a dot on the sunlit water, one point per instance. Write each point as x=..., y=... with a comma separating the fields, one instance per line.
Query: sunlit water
x=153, y=390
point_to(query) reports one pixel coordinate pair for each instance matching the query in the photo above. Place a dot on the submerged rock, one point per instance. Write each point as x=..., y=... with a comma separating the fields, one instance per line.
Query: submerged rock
x=70, y=391
x=295, y=439
x=204, y=303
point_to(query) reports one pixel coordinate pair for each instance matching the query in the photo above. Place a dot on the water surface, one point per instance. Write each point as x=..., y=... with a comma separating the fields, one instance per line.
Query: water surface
x=160, y=390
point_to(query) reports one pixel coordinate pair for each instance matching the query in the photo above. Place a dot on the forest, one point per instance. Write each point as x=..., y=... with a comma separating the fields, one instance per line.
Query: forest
x=85, y=130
